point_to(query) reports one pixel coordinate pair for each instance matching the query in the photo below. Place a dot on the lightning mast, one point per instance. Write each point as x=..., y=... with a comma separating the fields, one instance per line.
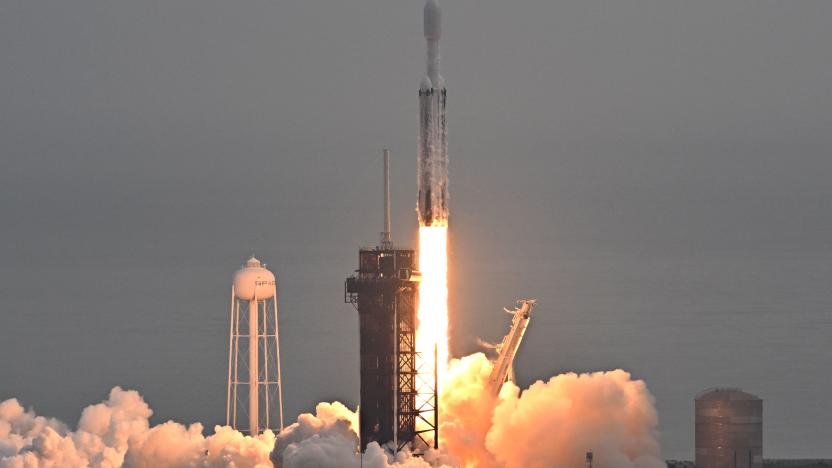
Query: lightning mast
x=386, y=240
x=503, y=366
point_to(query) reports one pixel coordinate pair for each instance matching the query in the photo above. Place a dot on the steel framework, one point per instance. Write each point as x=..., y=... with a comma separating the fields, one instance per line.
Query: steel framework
x=398, y=402
x=255, y=366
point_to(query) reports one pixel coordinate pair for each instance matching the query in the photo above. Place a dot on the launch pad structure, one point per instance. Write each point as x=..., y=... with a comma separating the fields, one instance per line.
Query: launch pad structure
x=506, y=351
x=398, y=403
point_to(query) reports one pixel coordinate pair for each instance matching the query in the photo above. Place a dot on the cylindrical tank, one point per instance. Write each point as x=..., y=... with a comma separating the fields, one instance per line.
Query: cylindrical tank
x=254, y=281
x=729, y=429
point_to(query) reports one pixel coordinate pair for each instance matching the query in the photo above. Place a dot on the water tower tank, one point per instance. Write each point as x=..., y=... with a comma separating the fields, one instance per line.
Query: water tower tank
x=253, y=280
x=729, y=429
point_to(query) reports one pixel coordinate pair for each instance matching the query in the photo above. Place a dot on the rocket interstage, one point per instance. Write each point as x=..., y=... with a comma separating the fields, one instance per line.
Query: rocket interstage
x=432, y=204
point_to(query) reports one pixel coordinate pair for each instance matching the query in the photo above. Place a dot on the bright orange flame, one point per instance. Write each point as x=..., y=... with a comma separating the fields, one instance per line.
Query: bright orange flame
x=433, y=299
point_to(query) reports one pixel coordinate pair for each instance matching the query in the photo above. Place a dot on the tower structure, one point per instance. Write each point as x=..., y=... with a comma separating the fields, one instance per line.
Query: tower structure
x=254, y=382
x=506, y=351
x=384, y=290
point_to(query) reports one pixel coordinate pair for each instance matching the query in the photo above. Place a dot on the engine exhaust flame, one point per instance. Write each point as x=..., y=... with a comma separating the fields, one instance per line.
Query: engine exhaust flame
x=433, y=295
x=432, y=332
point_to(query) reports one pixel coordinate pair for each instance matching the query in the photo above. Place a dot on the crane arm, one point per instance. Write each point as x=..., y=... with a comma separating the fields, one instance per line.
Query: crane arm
x=503, y=366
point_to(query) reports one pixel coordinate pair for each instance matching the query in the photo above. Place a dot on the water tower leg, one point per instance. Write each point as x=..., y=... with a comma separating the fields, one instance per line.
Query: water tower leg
x=253, y=412
x=277, y=358
x=230, y=361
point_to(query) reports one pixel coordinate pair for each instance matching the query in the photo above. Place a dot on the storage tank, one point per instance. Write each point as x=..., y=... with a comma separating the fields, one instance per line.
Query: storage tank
x=729, y=429
x=254, y=281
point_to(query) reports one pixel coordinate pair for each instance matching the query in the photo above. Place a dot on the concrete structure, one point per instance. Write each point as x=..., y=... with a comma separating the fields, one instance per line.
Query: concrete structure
x=729, y=429
x=254, y=382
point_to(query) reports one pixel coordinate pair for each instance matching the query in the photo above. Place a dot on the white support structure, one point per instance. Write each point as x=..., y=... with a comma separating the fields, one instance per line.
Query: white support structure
x=254, y=292
x=507, y=350
x=253, y=368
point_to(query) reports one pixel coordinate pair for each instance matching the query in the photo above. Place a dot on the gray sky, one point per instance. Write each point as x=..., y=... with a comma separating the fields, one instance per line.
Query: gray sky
x=655, y=173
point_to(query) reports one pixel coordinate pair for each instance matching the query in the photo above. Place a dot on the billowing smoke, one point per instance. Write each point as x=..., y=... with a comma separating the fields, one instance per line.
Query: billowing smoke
x=551, y=423
x=116, y=432
x=328, y=440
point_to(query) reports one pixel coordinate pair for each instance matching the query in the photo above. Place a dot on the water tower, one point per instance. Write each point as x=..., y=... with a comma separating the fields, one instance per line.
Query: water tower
x=254, y=382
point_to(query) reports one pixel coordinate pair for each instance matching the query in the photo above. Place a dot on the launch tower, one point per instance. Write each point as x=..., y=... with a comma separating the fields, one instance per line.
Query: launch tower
x=384, y=291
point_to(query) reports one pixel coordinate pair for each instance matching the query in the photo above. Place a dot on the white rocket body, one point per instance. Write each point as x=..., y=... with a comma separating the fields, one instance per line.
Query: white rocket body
x=432, y=205
x=433, y=32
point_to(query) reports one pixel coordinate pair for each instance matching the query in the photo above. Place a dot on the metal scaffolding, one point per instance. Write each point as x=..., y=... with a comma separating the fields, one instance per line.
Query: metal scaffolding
x=417, y=410
x=384, y=293
x=394, y=406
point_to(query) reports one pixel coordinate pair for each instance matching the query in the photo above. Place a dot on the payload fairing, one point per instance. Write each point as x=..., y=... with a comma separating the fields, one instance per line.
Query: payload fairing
x=432, y=204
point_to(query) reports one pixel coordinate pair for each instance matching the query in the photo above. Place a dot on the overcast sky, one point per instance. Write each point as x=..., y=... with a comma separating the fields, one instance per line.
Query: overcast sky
x=655, y=173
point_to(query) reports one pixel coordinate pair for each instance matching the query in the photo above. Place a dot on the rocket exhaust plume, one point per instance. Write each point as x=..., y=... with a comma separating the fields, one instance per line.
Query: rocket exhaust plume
x=550, y=424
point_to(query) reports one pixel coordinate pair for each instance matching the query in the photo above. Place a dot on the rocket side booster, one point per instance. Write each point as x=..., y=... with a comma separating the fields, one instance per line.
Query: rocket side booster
x=432, y=205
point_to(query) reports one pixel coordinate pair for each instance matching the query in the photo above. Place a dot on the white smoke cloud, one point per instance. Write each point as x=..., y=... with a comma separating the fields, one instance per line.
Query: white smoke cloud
x=329, y=439
x=325, y=439
x=552, y=423
x=117, y=432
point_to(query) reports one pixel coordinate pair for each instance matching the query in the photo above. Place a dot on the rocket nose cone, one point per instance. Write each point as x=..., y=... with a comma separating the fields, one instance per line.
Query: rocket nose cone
x=433, y=20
